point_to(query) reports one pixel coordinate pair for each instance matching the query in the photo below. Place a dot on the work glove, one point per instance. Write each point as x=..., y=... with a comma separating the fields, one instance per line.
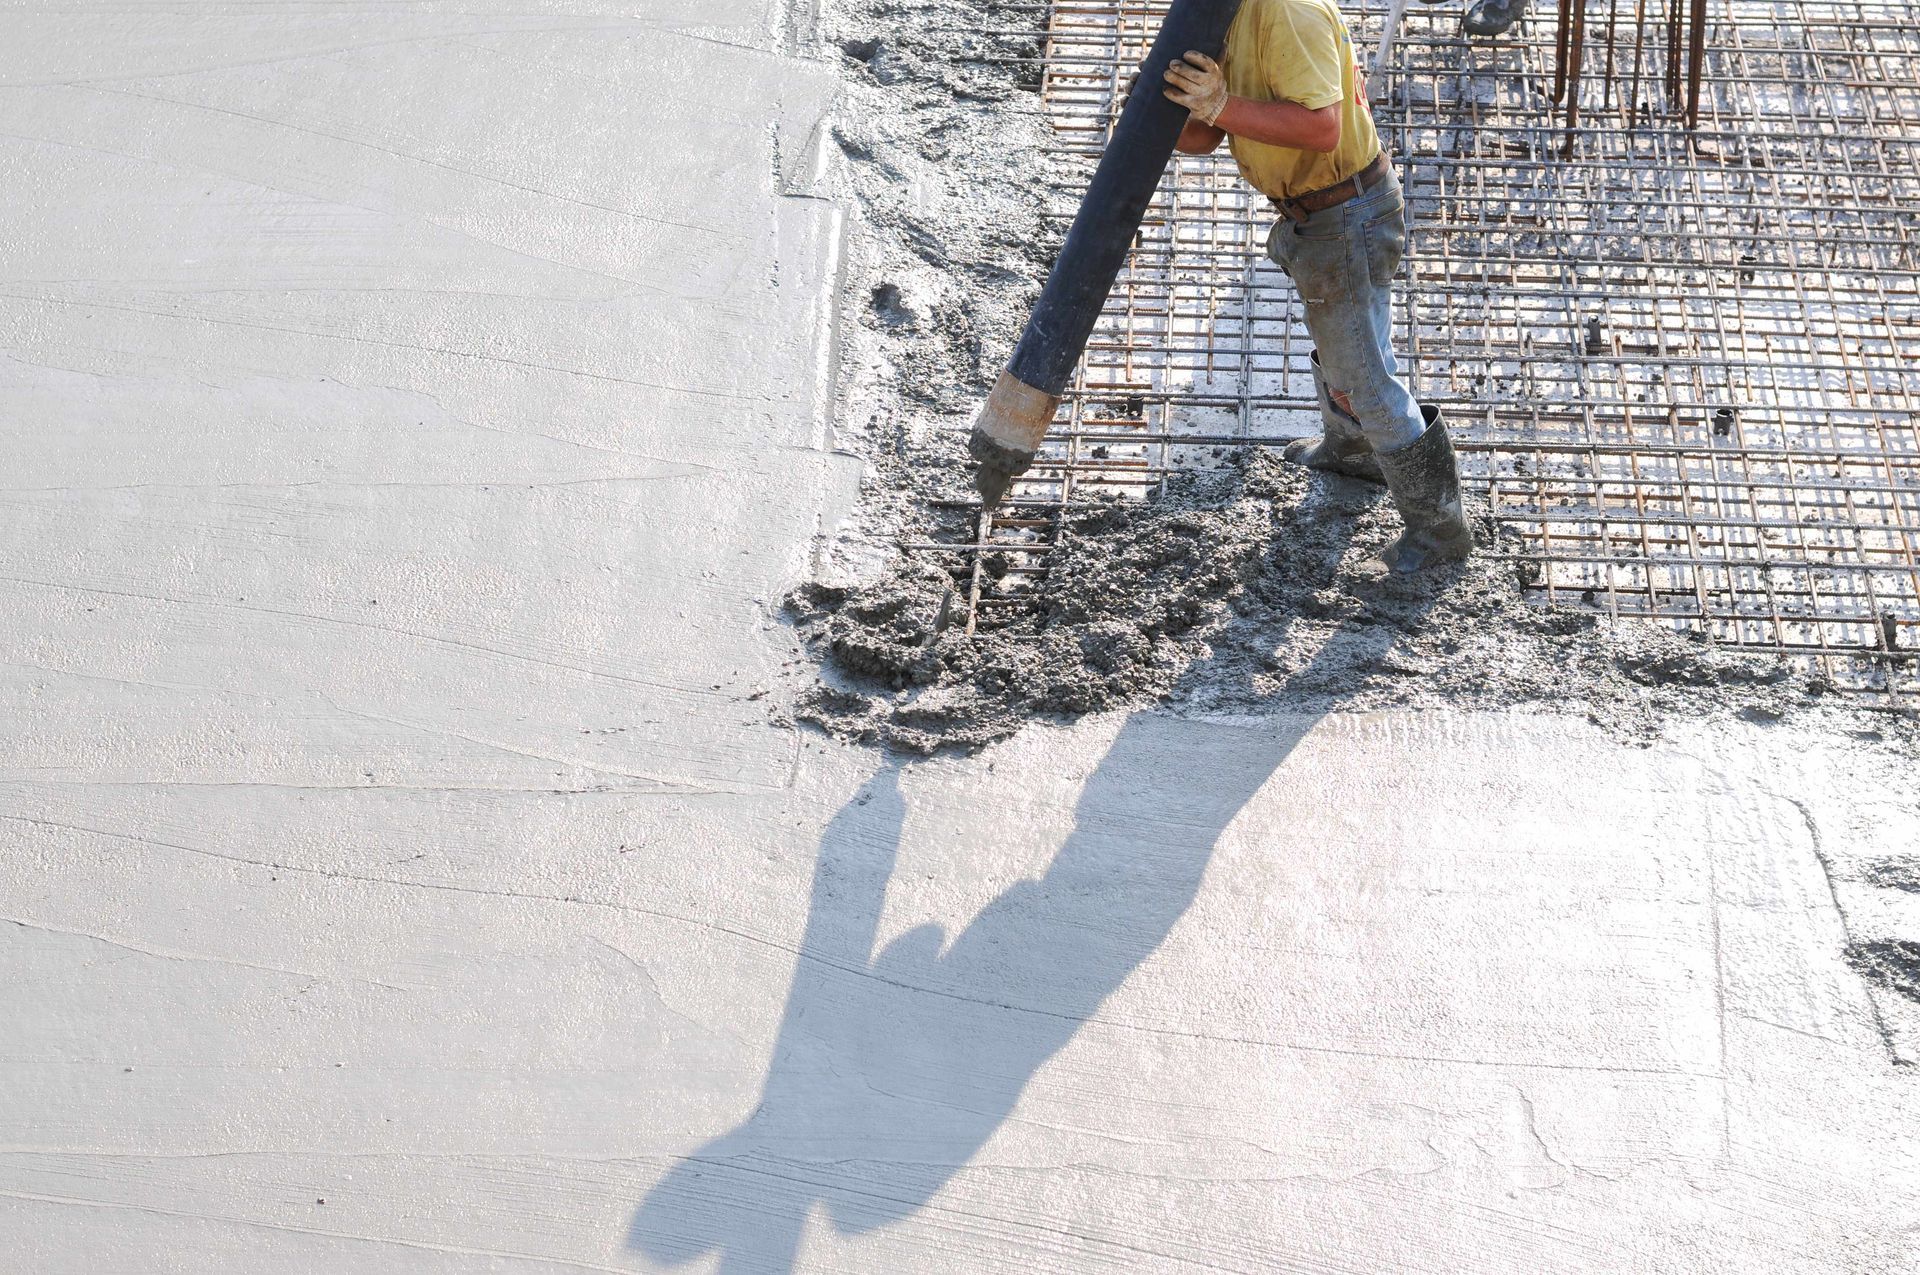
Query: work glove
x=1199, y=85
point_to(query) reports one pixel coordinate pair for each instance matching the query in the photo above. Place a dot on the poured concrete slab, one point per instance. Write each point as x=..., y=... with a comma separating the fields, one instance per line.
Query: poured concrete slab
x=410, y=418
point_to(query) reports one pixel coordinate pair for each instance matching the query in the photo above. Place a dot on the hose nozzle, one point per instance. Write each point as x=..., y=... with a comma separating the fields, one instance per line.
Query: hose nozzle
x=1007, y=433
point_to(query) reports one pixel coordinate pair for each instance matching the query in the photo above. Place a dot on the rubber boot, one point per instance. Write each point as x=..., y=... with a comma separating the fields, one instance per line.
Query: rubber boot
x=1425, y=481
x=1493, y=17
x=1342, y=449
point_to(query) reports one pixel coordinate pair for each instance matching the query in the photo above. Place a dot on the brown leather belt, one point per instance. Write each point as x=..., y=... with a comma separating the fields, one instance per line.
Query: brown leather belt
x=1299, y=207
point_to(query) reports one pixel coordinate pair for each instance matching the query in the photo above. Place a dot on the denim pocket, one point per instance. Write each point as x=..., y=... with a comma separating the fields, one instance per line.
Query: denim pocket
x=1277, y=239
x=1385, y=237
x=1321, y=267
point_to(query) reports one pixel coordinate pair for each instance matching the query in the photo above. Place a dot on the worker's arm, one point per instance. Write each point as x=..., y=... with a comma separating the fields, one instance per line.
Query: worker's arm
x=1282, y=124
x=1196, y=82
x=1200, y=138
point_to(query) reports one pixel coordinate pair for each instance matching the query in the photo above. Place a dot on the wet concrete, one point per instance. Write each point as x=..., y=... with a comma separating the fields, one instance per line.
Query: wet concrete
x=414, y=419
x=1249, y=588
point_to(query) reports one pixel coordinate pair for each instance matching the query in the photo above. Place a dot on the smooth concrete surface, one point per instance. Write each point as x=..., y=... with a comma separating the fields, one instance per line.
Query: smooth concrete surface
x=410, y=413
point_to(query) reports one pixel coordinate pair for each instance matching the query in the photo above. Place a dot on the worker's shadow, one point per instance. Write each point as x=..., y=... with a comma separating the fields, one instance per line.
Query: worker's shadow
x=893, y=1068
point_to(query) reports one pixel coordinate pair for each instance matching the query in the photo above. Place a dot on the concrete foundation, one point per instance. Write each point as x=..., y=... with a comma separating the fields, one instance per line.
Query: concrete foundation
x=410, y=415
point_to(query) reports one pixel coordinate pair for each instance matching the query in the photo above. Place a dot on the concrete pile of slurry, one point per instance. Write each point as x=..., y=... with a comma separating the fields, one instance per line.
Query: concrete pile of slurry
x=1236, y=590
x=1242, y=590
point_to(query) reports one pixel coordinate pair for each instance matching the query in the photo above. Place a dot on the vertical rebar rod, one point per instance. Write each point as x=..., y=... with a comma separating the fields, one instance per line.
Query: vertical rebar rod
x=1639, y=47
x=1673, y=56
x=1696, y=60
x=982, y=531
x=1576, y=53
x=1560, y=52
x=1606, y=75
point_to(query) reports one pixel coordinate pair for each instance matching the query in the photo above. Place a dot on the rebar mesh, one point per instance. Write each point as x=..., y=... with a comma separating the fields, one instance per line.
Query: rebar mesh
x=1678, y=363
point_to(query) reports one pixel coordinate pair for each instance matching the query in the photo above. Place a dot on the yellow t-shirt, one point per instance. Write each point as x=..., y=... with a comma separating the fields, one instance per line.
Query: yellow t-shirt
x=1298, y=51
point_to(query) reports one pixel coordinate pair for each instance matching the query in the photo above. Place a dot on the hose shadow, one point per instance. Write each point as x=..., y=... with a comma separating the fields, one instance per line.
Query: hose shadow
x=892, y=1068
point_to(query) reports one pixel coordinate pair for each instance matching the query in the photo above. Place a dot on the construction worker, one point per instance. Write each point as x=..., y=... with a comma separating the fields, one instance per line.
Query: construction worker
x=1289, y=99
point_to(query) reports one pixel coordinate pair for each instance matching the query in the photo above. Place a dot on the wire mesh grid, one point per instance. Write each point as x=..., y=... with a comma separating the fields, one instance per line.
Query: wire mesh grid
x=1680, y=364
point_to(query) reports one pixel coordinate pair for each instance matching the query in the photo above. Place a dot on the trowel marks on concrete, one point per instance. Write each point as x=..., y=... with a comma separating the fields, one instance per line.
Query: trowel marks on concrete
x=1241, y=590
x=900, y=1057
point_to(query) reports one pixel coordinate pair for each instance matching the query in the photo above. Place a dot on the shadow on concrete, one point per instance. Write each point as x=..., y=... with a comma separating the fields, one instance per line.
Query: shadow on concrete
x=893, y=1068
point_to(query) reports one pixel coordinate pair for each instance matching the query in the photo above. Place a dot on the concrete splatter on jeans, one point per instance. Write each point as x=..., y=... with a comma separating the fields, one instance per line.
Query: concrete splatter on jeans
x=1342, y=259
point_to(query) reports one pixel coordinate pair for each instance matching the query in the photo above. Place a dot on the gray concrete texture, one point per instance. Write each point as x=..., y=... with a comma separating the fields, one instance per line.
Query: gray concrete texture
x=412, y=414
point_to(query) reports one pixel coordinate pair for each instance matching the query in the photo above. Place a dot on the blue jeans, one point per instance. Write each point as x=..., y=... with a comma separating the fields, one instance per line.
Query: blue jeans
x=1342, y=261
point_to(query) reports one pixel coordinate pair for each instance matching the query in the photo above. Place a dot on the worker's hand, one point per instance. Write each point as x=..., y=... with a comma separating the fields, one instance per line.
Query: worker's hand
x=1197, y=83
